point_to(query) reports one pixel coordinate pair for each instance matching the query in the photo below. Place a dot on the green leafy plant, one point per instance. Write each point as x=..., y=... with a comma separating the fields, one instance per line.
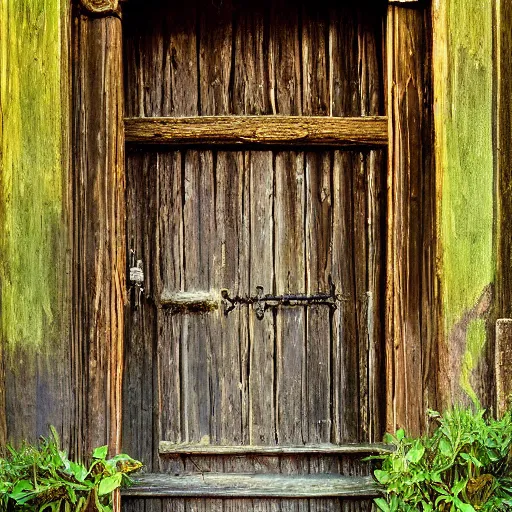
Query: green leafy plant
x=465, y=465
x=42, y=478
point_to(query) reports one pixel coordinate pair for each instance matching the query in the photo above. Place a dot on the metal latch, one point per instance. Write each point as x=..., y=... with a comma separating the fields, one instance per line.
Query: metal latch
x=261, y=302
x=136, y=277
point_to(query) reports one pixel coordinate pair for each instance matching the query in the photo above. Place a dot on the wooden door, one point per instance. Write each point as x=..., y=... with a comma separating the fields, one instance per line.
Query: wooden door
x=213, y=391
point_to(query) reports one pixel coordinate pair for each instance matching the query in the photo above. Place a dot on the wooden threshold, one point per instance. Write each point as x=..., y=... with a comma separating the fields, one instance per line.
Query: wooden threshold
x=258, y=130
x=236, y=485
x=169, y=448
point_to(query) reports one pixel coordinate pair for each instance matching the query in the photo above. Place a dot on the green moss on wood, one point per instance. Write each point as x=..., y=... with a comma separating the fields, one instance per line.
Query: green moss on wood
x=467, y=180
x=475, y=343
x=31, y=170
x=465, y=160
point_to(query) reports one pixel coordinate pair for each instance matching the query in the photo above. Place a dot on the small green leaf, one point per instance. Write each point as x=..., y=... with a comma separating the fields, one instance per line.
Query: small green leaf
x=381, y=476
x=415, y=454
x=382, y=504
x=109, y=484
x=463, y=507
x=100, y=452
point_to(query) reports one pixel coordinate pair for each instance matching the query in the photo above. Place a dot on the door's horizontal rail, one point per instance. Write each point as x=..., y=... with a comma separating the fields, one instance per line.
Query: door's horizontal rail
x=235, y=485
x=169, y=448
x=258, y=130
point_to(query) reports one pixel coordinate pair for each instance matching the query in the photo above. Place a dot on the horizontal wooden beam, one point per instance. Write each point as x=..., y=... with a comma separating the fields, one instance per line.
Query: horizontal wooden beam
x=234, y=485
x=168, y=448
x=258, y=130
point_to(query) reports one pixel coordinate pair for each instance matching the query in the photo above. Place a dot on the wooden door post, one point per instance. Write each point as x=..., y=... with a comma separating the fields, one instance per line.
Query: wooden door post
x=410, y=311
x=99, y=259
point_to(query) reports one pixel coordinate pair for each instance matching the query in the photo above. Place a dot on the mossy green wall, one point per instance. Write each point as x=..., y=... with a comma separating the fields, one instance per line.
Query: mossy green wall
x=32, y=138
x=35, y=365
x=463, y=63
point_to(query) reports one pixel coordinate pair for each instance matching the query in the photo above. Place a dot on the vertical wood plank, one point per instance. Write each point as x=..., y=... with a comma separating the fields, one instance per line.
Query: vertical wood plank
x=169, y=274
x=318, y=238
x=284, y=54
x=161, y=59
x=233, y=234
x=251, y=67
x=315, y=53
x=215, y=57
x=411, y=307
x=344, y=327
x=375, y=346
x=262, y=350
x=201, y=392
x=180, y=92
x=142, y=198
x=289, y=203
x=138, y=388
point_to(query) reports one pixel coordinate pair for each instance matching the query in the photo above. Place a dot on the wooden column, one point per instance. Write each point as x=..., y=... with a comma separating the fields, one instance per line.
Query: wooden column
x=503, y=124
x=35, y=283
x=464, y=102
x=99, y=260
x=411, y=305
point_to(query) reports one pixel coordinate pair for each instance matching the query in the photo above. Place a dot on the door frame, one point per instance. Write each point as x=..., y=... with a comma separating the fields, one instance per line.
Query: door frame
x=99, y=239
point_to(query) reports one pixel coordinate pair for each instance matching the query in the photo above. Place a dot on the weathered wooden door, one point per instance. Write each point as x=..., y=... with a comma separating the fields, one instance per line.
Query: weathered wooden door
x=276, y=391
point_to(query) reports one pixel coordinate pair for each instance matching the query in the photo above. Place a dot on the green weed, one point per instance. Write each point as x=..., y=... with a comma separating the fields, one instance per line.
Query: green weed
x=465, y=465
x=42, y=478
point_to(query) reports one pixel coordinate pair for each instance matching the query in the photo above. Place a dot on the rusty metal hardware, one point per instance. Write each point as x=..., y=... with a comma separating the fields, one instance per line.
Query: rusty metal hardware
x=136, y=278
x=261, y=302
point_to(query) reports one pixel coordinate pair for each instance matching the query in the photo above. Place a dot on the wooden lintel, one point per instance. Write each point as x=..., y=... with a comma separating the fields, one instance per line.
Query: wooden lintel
x=169, y=448
x=259, y=130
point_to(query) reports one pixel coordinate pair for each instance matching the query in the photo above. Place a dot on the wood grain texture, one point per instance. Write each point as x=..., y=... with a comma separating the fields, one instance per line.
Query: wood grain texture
x=259, y=130
x=167, y=447
x=411, y=352
x=254, y=486
x=35, y=222
x=99, y=243
x=263, y=54
x=224, y=217
x=503, y=364
x=503, y=160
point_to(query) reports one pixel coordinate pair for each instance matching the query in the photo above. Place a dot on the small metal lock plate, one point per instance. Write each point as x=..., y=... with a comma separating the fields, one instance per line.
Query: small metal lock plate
x=136, y=279
x=137, y=274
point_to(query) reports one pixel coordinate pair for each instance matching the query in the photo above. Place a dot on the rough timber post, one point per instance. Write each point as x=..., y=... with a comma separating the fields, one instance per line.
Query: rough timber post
x=503, y=124
x=99, y=287
x=410, y=300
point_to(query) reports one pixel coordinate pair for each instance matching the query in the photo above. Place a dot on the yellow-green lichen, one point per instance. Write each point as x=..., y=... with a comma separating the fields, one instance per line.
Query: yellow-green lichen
x=468, y=260
x=475, y=343
x=31, y=169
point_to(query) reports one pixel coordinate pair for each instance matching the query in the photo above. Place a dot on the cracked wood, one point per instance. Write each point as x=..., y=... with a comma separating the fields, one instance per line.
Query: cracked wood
x=259, y=130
